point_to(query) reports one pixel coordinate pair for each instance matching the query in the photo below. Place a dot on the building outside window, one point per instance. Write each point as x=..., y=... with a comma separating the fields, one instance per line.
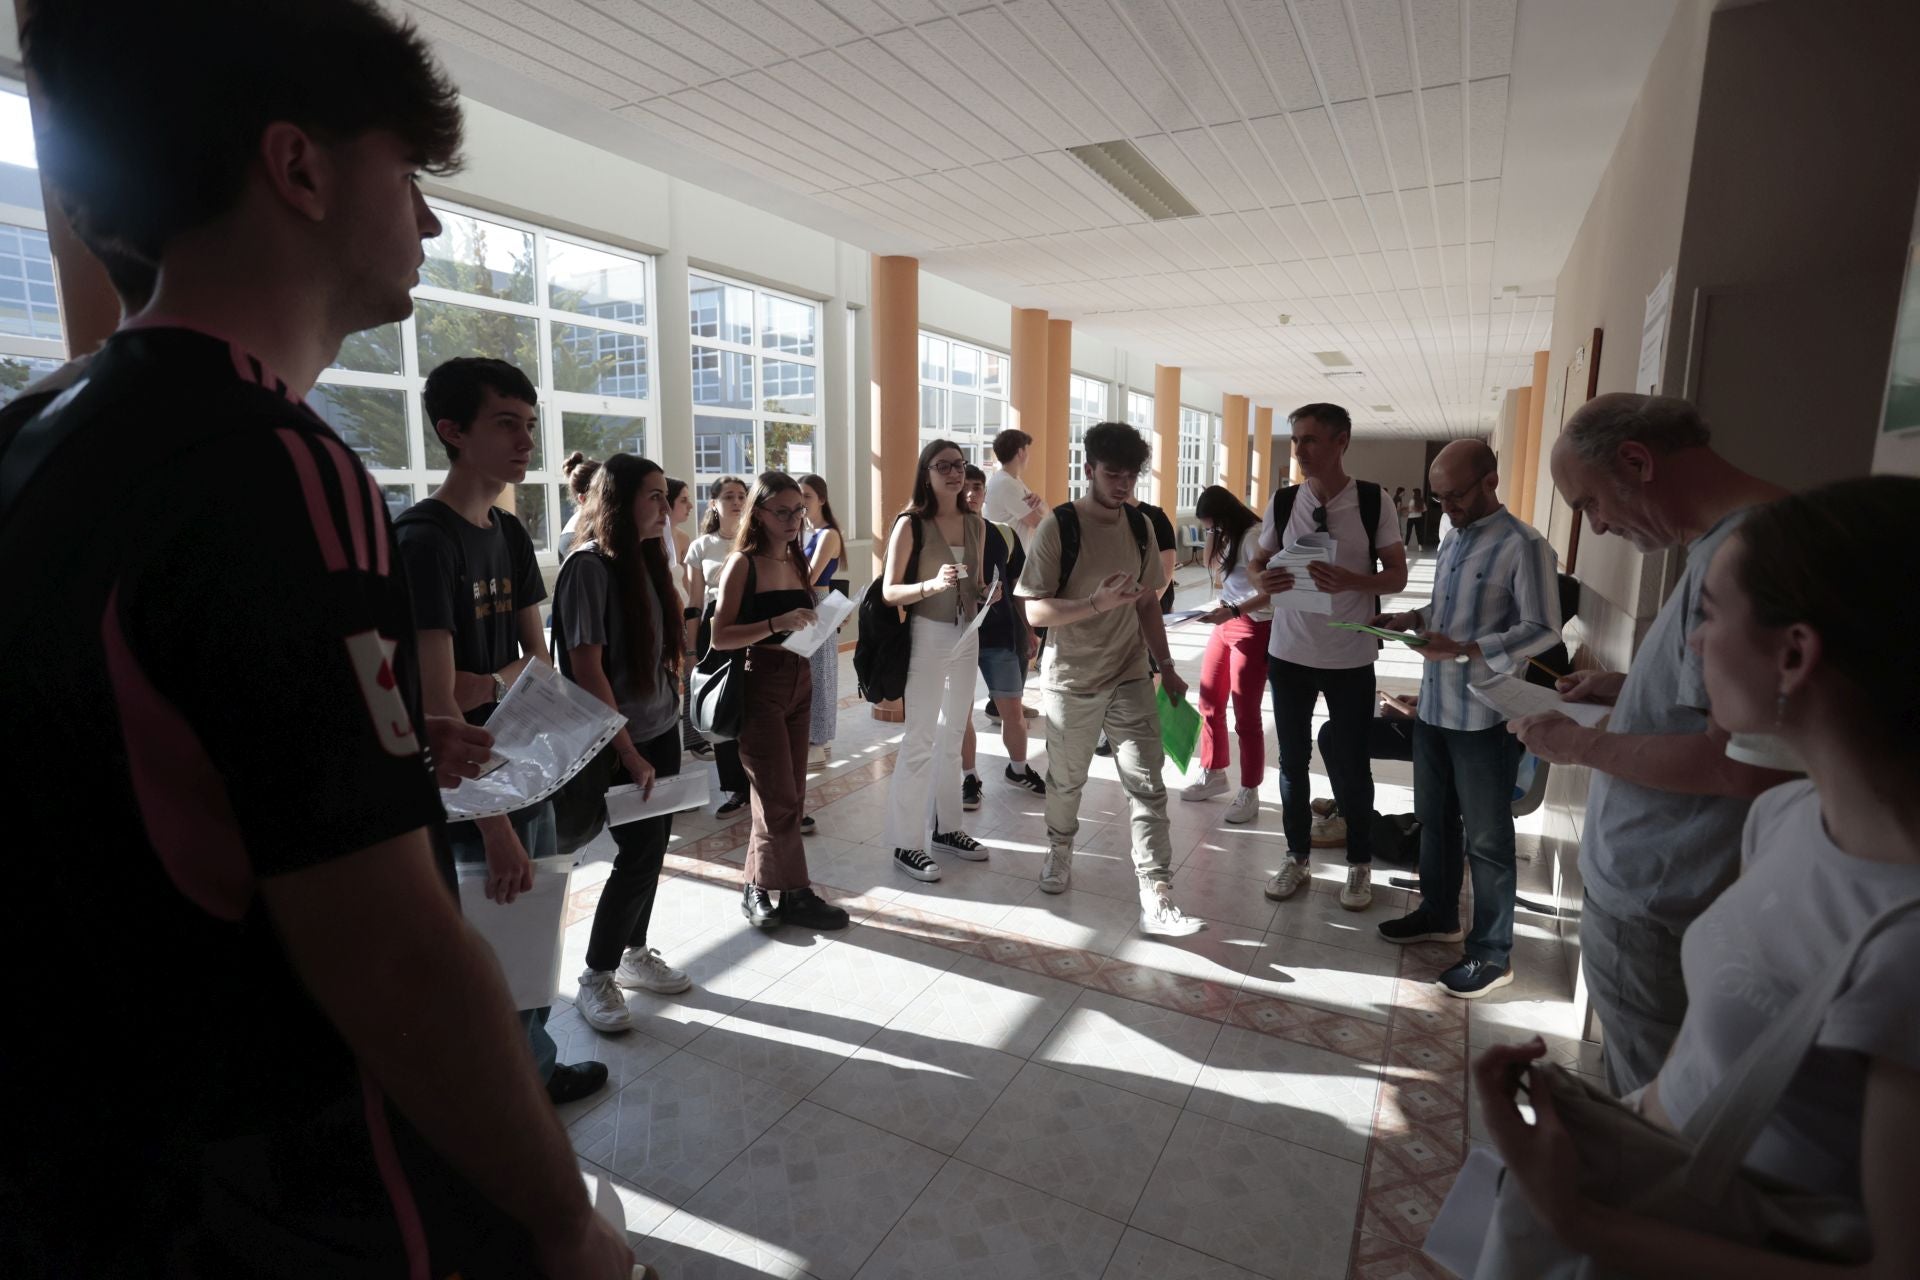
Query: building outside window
x=963, y=395
x=1086, y=405
x=33, y=342
x=756, y=380
x=1194, y=432
x=575, y=317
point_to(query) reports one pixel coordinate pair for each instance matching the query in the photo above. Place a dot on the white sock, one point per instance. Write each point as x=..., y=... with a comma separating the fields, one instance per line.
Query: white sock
x=973, y=775
x=1017, y=763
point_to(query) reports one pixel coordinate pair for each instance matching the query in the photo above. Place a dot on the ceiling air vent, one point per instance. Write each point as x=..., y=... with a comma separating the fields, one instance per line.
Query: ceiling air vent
x=1381, y=408
x=1333, y=359
x=1122, y=166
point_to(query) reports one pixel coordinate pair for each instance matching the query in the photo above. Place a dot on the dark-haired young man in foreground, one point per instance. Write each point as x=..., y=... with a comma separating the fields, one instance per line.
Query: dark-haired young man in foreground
x=319, y=1072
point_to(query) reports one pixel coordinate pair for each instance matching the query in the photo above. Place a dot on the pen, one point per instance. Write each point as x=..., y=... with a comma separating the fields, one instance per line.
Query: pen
x=1544, y=667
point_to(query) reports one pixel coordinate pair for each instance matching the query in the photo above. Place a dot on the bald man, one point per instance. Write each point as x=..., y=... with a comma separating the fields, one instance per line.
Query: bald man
x=1495, y=603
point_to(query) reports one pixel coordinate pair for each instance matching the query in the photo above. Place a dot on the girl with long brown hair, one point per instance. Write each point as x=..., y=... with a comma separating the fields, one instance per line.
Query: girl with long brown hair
x=616, y=627
x=765, y=592
x=825, y=549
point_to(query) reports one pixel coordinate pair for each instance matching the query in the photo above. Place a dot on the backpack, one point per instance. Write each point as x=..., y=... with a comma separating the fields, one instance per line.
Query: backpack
x=1371, y=498
x=1068, y=518
x=885, y=644
x=580, y=806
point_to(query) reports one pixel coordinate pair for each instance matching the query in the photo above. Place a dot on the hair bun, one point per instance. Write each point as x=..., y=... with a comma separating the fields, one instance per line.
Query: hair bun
x=574, y=462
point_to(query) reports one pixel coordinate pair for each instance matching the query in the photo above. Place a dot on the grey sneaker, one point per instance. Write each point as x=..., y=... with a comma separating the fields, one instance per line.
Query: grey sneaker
x=1358, y=893
x=1056, y=872
x=642, y=969
x=1245, y=806
x=601, y=1003
x=1289, y=880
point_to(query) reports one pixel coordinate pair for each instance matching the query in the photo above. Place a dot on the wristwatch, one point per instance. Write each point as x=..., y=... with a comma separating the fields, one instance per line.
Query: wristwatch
x=1234, y=609
x=499, y=688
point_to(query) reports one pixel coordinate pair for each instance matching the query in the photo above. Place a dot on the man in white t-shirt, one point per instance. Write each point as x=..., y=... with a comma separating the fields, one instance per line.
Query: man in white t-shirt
x=1308, y=658
x=1009, y=501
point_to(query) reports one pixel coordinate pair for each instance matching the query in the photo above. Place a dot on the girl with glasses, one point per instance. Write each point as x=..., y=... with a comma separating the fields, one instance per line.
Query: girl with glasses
x=765, y=594
x=941, y=591
x=727, y=498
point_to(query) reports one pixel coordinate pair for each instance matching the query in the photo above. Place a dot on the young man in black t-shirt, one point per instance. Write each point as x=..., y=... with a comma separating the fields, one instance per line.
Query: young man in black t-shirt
x=217, y=727
x=476, y=592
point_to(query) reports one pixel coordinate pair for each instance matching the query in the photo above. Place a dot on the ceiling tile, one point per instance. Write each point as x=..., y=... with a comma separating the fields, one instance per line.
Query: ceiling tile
x=1445, y=139
x=1323, y=34
x=1383, y=45
x=724, y=26
x=1361, y=139
x=820, y=77
x=1043, y=25
x=1163, y=39
x=891, y=87
x=1487, y=125
x=1323, y=149
x=1491, y=53
x=1032, y=111
x=966, y=106
x=1436, y=43
x=450, y=32
x=1234, y=60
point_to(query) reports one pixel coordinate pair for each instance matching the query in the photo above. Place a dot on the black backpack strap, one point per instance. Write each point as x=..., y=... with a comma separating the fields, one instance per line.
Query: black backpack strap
x=1068, y=519
x=1370, y=502
x=1137, y=521
x=441, y=517
x=1283, y=500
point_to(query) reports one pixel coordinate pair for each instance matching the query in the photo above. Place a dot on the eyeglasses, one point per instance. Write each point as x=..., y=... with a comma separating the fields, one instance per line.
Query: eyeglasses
x=1461, y=495
x=957, y=467
x=1320, y=518
x=785, y=515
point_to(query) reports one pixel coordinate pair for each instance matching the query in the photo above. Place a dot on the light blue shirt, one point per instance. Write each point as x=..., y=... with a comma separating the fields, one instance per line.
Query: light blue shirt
x=1494, y=582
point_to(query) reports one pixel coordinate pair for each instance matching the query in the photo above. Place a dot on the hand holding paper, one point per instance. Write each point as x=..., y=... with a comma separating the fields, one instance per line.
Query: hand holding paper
x=826, y=620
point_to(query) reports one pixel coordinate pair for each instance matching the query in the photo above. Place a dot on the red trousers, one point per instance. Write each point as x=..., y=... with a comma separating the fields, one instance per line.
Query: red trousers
x=1234, y=672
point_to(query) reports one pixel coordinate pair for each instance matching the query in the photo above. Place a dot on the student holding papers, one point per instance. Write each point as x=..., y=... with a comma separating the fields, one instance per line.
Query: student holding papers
x=616, y=621
x=1495, y=602
x=1234, y=670
x=1005, y=642
x=825, y=549
x=942, y=592
x=476, y=595
x=1307, y=658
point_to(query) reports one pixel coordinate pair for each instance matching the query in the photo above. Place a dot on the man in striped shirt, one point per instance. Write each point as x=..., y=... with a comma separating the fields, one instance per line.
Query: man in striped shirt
x=1495, y=602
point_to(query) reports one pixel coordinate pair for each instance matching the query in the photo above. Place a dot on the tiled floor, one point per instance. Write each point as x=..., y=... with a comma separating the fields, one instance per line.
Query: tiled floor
x=981, y=1080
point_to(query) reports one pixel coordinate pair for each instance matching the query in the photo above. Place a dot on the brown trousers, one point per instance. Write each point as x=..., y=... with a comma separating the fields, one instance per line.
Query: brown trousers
x=773, y=749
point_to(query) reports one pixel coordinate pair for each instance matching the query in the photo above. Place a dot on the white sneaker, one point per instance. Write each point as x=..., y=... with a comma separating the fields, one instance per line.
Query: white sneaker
x=1213, y=782
x=642, y=969
x=1245, y=806
x=601, y=1003
x=1159, y=916
x=1358, y=894
x=1289, y=880
x=1056, y=870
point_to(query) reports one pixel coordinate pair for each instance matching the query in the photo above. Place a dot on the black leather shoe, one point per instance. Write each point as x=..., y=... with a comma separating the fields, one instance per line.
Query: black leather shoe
x=571, y=1082
x=758, y=908
x=809, y=910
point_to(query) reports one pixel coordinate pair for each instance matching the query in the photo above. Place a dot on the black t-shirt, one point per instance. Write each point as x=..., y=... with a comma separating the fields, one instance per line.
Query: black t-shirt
x=471, y=582
x=215, y=684
x=1163, y=537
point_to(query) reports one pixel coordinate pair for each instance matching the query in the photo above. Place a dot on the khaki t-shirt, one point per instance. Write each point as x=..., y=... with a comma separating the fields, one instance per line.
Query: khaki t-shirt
x=1107, y=649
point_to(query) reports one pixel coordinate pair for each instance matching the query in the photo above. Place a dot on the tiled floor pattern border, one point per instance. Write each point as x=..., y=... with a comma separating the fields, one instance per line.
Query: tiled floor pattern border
x=1419, y=1132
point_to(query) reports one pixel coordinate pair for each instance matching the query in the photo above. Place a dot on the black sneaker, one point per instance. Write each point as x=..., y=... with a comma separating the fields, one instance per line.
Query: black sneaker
x=993, y=712
x=1418, y=927
x=1471, y=979
x=917, y=864
x=758, y=908
x=1105, y=748
x=807, y=825
x=809, y=910
x=970, y=792
x=571, y=1082
x=1027, y=778
x=961, y=845
x=732, y=804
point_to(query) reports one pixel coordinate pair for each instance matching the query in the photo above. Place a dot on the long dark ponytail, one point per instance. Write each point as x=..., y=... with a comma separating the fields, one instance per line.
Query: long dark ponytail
x=639, y=564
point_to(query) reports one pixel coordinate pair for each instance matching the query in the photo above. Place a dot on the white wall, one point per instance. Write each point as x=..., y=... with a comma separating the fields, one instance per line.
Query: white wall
x=1393, y=463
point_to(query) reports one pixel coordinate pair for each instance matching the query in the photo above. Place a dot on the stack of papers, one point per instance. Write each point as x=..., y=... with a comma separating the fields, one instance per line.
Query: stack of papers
x=544, y=731
x=1301, y=552
x=1514, y=698
x=670, y=795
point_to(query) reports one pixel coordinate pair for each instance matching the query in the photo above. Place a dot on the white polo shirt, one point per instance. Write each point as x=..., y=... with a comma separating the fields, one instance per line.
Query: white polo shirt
x=1006, y=501
x=1305, y=638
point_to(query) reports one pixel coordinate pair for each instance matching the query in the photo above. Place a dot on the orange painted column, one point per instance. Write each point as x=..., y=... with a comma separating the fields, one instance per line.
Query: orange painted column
x=1027, y=392
x=1530, y=422
x=1059, y=424
x=1233, y=425
x=1522, y=505
x=1263, y=446
x=1166, y=436
x=895, y=390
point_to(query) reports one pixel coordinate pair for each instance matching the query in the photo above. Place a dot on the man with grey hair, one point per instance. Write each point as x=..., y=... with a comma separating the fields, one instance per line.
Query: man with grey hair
x=1664, y=815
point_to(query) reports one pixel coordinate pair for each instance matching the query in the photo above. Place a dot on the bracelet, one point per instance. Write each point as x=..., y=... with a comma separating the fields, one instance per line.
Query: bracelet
x=1234, y=609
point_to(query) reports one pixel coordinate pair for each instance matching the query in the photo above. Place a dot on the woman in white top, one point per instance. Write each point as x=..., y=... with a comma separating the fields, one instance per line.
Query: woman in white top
x=941, y=591
x=579, y=470
x=706, y=556
x=1234, y=670
x=1801, y=638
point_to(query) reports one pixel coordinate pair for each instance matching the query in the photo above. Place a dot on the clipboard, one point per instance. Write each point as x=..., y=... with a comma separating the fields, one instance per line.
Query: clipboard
x=1404, y=637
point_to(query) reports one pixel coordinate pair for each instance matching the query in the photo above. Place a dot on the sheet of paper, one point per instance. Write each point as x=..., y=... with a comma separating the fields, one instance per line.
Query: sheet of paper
x=1514, y=698
x=1179, y=616
x=1459, y=1230
x=979, y=615
x=525, y=934
x=544, y=731
x=828, y=615
x=670, y=795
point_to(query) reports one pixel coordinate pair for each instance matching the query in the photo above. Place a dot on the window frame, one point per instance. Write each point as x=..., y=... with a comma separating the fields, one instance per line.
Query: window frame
x=758, y=355
x=978, y=444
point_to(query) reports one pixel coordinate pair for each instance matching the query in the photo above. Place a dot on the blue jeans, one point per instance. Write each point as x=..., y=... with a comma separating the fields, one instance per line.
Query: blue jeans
x=1343, y=749
x=1464, y=778
x=538, y=835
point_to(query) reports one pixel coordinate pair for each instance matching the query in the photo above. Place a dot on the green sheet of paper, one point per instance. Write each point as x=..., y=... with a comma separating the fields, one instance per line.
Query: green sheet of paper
x=1406, y=638
x=1179, y=728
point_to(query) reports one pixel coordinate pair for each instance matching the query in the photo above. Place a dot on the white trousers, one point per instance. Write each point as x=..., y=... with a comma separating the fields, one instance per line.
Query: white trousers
x=926, y=771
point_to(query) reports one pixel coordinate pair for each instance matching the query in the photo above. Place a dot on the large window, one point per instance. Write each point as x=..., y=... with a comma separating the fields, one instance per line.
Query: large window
x=32, y=340
x=963, y=395
x=1195, y=428
x=1086, y=405
x=1140, y=418
x=1219, y=449
x=756, y=380
x=574, y=317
